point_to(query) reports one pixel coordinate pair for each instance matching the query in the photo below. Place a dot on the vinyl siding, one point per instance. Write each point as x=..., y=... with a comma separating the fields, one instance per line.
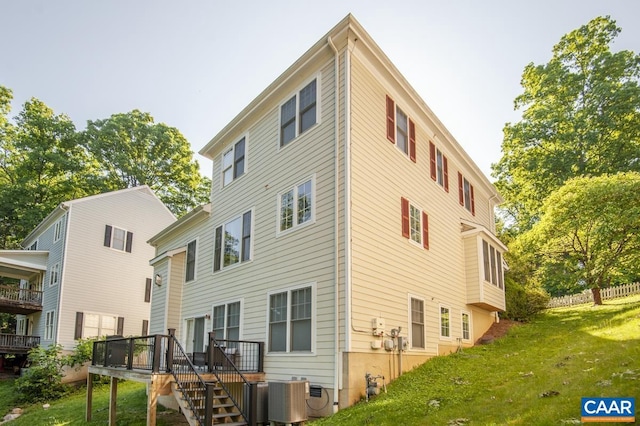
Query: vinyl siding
x=158, y=308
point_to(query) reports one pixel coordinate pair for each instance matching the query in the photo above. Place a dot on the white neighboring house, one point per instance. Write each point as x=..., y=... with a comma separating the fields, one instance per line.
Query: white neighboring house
x=347, y=230
x=85, y=271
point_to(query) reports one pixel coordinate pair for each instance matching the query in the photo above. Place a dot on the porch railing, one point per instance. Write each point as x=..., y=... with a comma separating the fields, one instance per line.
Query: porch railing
x=13, y=342
x=132, y=353
x=23, y=295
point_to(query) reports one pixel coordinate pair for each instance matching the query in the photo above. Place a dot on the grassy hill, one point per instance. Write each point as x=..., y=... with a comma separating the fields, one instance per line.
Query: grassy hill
x=535, y=375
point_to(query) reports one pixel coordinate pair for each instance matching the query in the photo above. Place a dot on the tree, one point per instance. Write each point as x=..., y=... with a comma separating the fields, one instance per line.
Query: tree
x=132, y=150
x=580, y=116
x=42, y=164
x=590, y=232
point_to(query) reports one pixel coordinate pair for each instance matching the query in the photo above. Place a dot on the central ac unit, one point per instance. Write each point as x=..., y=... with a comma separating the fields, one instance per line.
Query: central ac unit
x=288, y=401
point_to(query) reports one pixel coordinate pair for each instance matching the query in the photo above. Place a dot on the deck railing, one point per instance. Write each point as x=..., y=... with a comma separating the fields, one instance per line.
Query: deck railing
x=13, y=342
x=132, y=353
x=23, y=295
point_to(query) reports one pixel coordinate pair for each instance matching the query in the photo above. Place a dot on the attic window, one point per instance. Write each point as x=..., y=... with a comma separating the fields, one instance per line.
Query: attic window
x=117, y=238
x=299, y=113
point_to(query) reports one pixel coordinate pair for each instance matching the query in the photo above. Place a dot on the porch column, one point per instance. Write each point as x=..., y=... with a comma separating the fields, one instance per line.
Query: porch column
x=113, y=396
x=89, y=397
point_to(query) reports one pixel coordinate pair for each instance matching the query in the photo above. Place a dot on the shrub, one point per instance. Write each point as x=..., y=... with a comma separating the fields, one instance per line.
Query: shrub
x=523, y=302
x=42, y=381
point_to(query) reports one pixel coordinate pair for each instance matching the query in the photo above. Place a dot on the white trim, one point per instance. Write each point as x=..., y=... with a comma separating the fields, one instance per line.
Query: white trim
x=296, y=93
x=251, y=246
x=226, y=303
x=49, y=328
x=288, y=290
x=195, y=261
x=411, y=296
x=440, y=306
x=57, y=230
x=54, y=272
x=422, y=211
x=232, y=147
x=470, y=339
x=295, y=226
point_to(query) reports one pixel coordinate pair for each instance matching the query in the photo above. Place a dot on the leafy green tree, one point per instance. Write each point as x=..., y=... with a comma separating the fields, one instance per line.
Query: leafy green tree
x=589, y=233
x=42, y=165
x=133, y=150
x=580, y=116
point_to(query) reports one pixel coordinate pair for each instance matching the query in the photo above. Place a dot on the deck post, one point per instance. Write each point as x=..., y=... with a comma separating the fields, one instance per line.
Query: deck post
x=208, y=403
x=172, y=336
x=113, y=396
x=152, y=400
x=210, y=349
x=89, y=396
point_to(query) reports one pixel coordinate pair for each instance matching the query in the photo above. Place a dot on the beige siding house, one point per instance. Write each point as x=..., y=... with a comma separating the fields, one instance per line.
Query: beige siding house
x=94, y=275
x=348, y=229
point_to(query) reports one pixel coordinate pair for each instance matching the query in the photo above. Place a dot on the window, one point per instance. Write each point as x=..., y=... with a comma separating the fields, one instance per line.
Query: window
x=444, y=322
x=233, y=242
x=98, y=325
x=296, y=206
x=299, y=113
x=417, y=323
x=226, y=321
x=190, y=270
x=54, y=275
x=34, y=246
x=49, y=325
x=233, y=161
x=465, y=194
x=57, y=231
x=401, y=130
x=290, y=324
x=415, y=223
x=492, y=263
x=439, y=166
x=466, y=330
x=118, y=239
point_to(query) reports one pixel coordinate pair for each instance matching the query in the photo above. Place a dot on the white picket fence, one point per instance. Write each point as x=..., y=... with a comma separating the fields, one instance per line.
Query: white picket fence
x=587, y=297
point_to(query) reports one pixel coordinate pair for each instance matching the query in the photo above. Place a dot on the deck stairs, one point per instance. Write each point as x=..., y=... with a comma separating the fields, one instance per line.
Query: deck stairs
x=224, y=410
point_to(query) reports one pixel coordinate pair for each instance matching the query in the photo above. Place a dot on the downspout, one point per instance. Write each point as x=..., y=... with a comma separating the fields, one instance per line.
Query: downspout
x=336, y=318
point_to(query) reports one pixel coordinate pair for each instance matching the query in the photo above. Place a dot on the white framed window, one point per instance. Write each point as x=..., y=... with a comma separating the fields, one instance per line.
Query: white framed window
x=226, y=320
x=465, y=318
x=99, y=325
x=492, y=265
x=233, y=162
x=33, y=246
x=299, y=113
x=49, y=324
x=57, y=231
x=20, y=327
x=118, y=238
x=232, y=241
x=290, y=320
x=415, y=223
x=445, y=322
x=296, y=205
x=416, y=307
x=401, y=130
x=190, y=266
x=54, y=275
x=466, y=195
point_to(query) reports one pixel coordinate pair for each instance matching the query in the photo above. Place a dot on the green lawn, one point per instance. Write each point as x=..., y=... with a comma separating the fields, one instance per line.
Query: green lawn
x=535, y=375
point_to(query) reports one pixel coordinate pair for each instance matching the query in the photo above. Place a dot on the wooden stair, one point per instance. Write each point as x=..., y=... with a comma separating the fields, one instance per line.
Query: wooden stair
x=224, y=410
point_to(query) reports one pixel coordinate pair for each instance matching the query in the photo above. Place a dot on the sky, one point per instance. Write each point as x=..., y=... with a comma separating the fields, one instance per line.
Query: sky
x=195, y=64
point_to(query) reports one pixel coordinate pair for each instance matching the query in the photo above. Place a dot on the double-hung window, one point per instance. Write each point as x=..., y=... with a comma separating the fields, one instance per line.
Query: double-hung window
x=49, y=325
x=439, y=166
x=54, y=275
x=415, y=223
x=226, y=321
x=417, y=323
x=401, y=130
x=233, y=162
x=190, y=269
x=466, y=326
x=445, y=324
x=98, y=325
x=232, y=242
x=296, y=205
x=117, y=238
x=57, y=231
x=290, y=320
x=299, y=113
x=466, y=194
x=492, y=263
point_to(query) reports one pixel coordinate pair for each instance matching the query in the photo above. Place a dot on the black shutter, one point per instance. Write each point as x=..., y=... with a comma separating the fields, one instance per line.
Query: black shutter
x=246, y=236
x=147, y=290
x=217, y=252
x=120, y=330
x=145, y=327
x=107, y=236
x=129, y=242
x=78, y=333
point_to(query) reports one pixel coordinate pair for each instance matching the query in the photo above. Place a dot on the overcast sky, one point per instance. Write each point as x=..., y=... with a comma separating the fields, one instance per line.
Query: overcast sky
x=195, y=64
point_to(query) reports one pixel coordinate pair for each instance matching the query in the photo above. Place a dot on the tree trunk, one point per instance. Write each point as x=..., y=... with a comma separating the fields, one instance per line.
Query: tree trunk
x=597, y=299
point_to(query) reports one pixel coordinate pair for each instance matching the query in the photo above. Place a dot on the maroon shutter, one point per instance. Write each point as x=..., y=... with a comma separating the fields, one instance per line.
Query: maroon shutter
x=412, y=141
x=425, y=230
x=120, y=331
x=391, y=120
x=445, y=167
x=147, y=290
x=405, y=217
x=473, y=201
x=460, y=189
x=129, y=242
x=107, y=235
x=78, y=332
x=432, y=159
